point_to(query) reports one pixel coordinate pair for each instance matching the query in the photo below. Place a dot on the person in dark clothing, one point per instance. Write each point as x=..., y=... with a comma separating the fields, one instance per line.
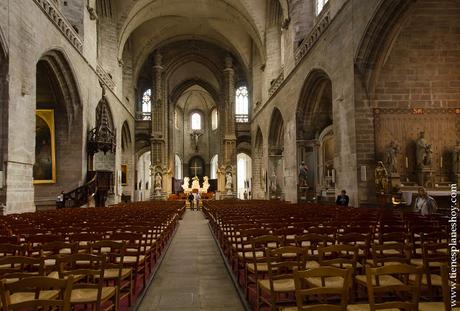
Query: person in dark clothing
x=342, y=199
x=190, y=199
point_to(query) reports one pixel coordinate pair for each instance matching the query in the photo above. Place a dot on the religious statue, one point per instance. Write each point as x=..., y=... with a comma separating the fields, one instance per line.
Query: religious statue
x=456, y=158
x=195, y=183
x=195, y=139
x=206, y=184
x=421, y=150
x=381, y=178
x=391, y=160
x=158, y=180
x=229, y=181
x=303, y=170
x=428, y=155
x=273, y=183
x=186, y=182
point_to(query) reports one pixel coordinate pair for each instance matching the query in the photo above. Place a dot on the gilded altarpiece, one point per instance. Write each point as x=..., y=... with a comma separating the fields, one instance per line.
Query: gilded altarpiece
x=442, y=130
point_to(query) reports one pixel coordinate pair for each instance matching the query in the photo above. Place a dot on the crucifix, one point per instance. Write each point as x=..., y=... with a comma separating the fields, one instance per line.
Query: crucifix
x=196, y=167
x=195, y=137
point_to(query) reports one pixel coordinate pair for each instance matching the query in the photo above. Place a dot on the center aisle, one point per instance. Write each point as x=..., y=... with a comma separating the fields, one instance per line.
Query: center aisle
x=192, y=275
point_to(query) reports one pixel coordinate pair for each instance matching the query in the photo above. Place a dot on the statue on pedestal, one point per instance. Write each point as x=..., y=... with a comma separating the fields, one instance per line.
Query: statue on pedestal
x=185, y=184
x=381, y=178
x=206, y=184
x=273, y=183
x=229, y=182
x=158, y=182
x=422, y=150
x=195, y=183
x=303, y=175
x=391, y=160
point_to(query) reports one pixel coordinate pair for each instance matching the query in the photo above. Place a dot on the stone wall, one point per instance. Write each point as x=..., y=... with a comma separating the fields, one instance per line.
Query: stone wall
x=31, y=34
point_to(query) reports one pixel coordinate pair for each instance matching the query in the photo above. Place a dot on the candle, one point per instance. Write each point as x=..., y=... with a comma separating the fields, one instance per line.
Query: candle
x=441, y=161
x=407, y=162
x=333, y=175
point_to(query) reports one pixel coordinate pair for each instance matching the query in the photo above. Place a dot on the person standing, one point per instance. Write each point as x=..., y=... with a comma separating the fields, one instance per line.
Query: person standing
x=60, y=200
x=190, y=200
x=197, y=201
x=342, y=199
x=425, y=204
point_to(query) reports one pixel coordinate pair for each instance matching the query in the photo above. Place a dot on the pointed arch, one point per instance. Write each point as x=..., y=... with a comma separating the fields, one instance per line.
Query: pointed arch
x=64, y=80
x=384, y=27
x=276, y=134
x=125, y=137
x=314, y=107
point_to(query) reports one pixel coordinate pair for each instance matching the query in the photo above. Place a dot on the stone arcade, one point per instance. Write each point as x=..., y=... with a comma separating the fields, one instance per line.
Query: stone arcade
x=127, y=98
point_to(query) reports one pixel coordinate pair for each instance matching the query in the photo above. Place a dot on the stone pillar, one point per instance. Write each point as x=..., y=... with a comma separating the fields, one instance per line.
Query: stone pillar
x=158, y=147
x=228, y=159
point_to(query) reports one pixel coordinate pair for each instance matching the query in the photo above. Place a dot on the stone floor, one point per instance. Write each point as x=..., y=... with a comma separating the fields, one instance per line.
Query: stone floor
x=192, y=275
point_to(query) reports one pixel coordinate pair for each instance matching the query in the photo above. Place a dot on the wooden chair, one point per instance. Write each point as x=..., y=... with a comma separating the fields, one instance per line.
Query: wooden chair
x=13, y=268
x=406, y=294
x=448, y=288
x=90, y=290
x=280, y=283
x=325, y=296
x=114, y=270
x=38, y=292
x=257, y=264
x=134, y=257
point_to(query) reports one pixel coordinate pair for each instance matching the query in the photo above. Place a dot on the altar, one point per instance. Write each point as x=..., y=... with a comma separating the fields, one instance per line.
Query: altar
x=195, y=187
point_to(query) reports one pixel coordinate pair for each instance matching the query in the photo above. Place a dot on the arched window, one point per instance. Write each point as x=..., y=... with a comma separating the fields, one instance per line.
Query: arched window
x=146, y=101
x=242, y=105
x=214, y=164
x=320, y=5
x=196, y=121
x=214, y=119
x=178, y=167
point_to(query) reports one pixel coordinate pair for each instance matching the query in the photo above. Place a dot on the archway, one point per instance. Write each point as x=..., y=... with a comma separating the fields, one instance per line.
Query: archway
x=143, y=177
x=127, y=162
x=315, y=138
x=58, y=150
x=244, y=175
x=276, y=156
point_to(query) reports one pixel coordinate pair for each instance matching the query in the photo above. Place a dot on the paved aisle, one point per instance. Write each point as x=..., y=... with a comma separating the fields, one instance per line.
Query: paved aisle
x=193, y=275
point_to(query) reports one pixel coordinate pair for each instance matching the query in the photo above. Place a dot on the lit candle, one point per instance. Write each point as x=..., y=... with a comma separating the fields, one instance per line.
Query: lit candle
x=407, y=162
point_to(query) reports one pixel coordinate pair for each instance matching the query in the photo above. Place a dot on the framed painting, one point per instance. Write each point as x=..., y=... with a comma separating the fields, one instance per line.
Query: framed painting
x=124, y=174
x=44, y=171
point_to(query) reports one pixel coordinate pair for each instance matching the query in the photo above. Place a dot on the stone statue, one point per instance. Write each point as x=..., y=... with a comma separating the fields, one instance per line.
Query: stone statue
x=421, y=146
x=391, y=160
x=456, y=158
x=228, y=181
x=205, y=184
x=303, y=171
x=428, y=155
x=273, y=183
x=186, y=182
x=381, y=178
x=158, y=180
x=195, y=183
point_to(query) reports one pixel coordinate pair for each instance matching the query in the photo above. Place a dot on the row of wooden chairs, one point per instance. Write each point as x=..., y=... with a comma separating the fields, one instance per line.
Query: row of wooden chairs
x=103, y=257
x=353, y=239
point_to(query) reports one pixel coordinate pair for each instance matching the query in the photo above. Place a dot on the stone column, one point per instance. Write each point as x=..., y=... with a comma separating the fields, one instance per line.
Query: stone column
x=228, y=161
x=159, y=164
